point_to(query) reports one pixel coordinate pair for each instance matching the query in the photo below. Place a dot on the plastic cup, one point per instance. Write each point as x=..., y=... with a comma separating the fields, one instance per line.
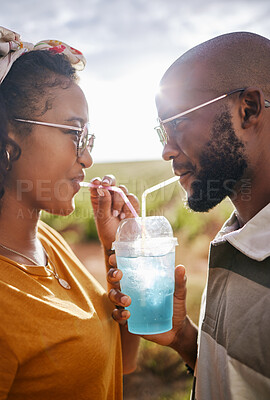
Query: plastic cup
x=145, y=252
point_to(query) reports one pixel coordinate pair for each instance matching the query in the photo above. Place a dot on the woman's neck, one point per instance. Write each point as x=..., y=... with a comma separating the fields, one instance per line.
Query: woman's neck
x=18, y=230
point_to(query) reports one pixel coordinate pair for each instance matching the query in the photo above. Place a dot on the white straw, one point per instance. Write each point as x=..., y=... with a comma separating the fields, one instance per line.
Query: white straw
x=153, y=189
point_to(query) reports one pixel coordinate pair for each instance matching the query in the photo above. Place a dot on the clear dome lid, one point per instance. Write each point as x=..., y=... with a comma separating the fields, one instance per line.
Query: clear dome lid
x=131, y=229
x=144, y=236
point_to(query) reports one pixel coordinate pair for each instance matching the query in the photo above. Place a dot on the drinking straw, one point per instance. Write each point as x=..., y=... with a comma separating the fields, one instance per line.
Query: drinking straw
x=114, y=189
x=153, y=189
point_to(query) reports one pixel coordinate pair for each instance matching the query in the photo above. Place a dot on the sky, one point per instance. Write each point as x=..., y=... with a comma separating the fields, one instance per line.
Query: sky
x=128, y=45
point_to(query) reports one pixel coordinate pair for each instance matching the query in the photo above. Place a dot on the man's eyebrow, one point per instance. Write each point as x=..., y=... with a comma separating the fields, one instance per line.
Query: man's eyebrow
x=169, y=113
x=174, y=108
x=76, y=119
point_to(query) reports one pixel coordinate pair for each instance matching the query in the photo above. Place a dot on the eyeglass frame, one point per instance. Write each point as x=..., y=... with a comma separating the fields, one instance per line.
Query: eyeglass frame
x=90, y=137
x=161, y=130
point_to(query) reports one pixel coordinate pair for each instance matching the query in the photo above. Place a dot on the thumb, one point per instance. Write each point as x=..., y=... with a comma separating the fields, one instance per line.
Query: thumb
x=180, y=282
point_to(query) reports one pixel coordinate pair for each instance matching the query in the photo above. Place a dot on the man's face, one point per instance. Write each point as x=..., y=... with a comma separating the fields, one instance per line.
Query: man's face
x=203, y=146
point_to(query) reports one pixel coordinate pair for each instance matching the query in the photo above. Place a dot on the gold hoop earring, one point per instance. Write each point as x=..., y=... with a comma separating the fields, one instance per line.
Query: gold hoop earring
x=8, y=167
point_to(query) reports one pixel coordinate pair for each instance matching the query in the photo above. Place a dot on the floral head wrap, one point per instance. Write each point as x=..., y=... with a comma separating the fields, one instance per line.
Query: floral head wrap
x=11, y=48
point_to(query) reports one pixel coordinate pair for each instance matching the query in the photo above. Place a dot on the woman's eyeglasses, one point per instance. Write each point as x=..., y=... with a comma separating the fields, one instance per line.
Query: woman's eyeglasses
x=85, y=138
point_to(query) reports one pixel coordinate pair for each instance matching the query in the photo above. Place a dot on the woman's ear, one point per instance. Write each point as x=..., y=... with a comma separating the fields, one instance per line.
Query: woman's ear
x=251, y=107
x=11, y=132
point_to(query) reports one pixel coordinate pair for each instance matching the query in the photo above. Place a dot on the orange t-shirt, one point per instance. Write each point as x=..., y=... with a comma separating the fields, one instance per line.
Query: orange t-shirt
x=56, y=344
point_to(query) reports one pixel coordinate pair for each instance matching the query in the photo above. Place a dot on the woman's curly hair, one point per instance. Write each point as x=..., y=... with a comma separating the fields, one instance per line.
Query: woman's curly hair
x=25, y=93
x=9, y=150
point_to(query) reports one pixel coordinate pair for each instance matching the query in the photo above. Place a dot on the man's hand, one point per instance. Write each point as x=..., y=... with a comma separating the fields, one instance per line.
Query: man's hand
x=179, y=316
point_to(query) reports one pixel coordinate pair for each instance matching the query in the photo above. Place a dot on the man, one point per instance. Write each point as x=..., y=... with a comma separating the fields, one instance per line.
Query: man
x=213, y=107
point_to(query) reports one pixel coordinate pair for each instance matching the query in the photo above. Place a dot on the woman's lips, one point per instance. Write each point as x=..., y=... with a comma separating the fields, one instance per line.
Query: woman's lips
x=76, y=184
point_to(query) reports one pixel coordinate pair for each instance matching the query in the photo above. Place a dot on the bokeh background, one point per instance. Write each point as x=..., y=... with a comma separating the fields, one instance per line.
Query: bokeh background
x=128, y=45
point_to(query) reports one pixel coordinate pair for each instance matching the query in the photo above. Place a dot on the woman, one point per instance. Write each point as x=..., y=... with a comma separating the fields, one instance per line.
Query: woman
x=57, y=337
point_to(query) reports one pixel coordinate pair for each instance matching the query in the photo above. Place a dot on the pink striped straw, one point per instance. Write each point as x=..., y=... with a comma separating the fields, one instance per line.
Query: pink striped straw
x=114, y=189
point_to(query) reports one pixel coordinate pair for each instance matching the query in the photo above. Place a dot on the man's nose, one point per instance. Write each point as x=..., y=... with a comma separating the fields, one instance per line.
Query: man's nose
x=170, y=151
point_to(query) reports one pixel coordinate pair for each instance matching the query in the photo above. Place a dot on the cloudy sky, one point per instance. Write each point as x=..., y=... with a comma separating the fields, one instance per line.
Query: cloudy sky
x=128, y=45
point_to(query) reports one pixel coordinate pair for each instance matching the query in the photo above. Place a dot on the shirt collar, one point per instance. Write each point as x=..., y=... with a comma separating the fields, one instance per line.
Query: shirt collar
x=253, y=239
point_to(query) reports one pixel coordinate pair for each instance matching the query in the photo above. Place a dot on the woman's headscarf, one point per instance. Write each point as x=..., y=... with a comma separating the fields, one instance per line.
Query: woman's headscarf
x=11, y=47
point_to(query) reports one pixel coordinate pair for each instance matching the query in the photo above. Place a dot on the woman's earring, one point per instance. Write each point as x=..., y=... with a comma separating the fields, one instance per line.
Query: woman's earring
x=8, y=167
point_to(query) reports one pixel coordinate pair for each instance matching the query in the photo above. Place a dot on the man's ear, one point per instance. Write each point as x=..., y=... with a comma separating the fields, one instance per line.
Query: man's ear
x=251, y=106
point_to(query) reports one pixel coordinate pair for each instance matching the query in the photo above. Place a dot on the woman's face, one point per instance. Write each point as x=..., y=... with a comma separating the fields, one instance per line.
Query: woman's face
x=48, y=172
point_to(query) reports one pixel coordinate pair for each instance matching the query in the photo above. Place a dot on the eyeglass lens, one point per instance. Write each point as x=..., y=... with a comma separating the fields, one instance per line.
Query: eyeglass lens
x=86, y=140
x=162, y=134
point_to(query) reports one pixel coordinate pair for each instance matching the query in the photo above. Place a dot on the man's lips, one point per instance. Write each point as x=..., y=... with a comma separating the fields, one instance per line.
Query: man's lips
x=184, y=176
x=184, y=168
x=181, y=174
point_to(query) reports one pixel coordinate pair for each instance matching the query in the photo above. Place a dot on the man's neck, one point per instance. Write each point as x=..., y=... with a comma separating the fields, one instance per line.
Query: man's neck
x=251, y=202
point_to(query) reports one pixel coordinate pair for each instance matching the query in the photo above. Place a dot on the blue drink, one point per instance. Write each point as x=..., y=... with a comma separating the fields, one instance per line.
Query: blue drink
x=145, y=252
x=149, y=281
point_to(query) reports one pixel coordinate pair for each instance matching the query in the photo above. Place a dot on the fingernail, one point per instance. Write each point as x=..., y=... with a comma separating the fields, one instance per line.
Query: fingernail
x=124, y=299
x=125, y=314
x=106, y=181
x=122, y=215
x=100, y=192
x=114, y=273
x=115, y=213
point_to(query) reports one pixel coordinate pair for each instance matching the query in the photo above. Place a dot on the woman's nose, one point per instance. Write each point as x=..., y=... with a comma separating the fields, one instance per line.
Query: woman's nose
x=86, y=159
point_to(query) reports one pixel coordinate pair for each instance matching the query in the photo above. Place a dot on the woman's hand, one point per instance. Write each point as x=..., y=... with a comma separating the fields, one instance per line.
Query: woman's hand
x=109, y=208
x=179, y=308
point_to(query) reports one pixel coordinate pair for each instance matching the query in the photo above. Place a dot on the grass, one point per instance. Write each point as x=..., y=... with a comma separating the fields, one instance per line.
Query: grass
x=161, y=374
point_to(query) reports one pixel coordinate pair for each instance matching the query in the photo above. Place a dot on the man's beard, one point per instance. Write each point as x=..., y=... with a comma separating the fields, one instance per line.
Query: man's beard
x=222, y=164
